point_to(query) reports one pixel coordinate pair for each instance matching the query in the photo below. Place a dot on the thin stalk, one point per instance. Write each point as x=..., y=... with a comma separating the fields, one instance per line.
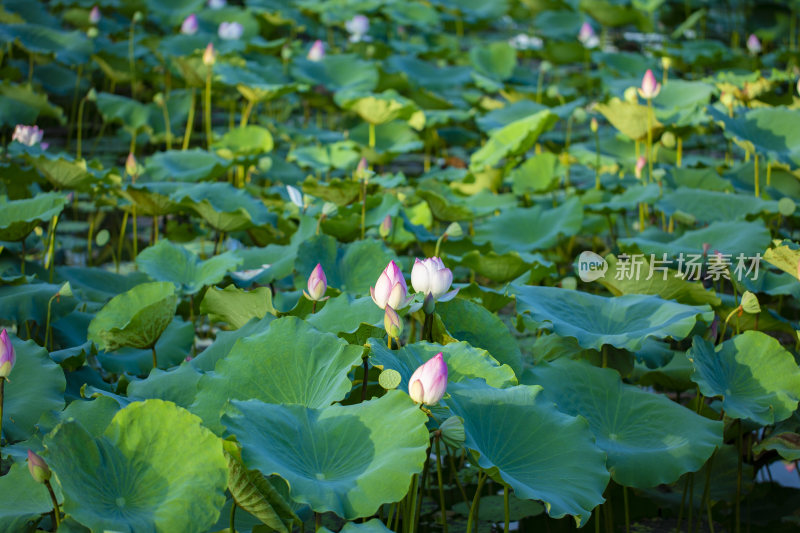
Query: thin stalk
x=411, y=511
x=131, y=60
x=481, y=480
x=50, y=260
x=80, y=127
x=207, y=109
x=74, y=103
x=248, y=108
x=56, y=512
x=187, y=134
x=649, y=140
x=371, y=135
x=366, y=376
x=47, y=322
x=363, y=208
x=233, y=517
x=135, y=235
x=122, y=229
x=89, y=237
x=155, y=229
x=167, y=127
x=597, y=518
x=680, y=153
x=506, y=511
x=422, y=485
x=317, y=521
x=155, y=357
x=739, y=478
x=683, y=503
x=627, y=509
x=389, y=342
x=755, y=174
x=691, y=501
x=597, y=160
x=2, y=387
x=454, y=471
x=706, y=498
x=441, y=487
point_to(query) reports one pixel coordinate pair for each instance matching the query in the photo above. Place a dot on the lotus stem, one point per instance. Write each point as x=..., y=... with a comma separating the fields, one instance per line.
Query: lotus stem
x=135, y=235
x=363, y=208
x=597, y=519
x=649, y=140
x=436, y=440
x=739, y=477
x=627, y=509
x=317, y=521
x=22, y=264
x=769, y=172
x=2, y=387
x=122, y=229
x=56, y=512
x=683, y=503
x=755, y=174
x=80, y=127
x=50, y=260
x=706, y=498
x=471, y=517
x=422, y=484
x=506, y=510
x=89, y=236
x=248, y=108
x=539, y=81
x=392, y=508
x=131, y=58
x=167, y=127
x=389, y=341
x=155, y=357
x=313, y=306
x=366, y=375
x=47, y=322
x=155, y=229
x=187, y=134
x=207, y=109
x=427, y=328
x=371, y=135
x=233, y=516
x=691, y=500
x=597, y=160
x=411, y=505
x=74, y=101
x=679, y=158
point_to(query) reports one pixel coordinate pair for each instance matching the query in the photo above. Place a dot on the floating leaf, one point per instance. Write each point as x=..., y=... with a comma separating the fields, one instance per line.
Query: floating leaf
x=237, y=307
x=512, y=140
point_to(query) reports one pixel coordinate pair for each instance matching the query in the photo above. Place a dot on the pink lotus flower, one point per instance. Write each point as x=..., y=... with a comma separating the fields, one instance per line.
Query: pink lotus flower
x=432, y=277
x=640, y=164
x=587, y=36
x=27, y=135
x=189, y=25
x=94, y=15
x=209, y=55
x=650, y=87
x=753, y=44
x=38, y=468
x=230, y=31
x=317, y=284
x=391, y=288
x=429, y=382
x=7, y=355
x=392, y=322
x=316, y=52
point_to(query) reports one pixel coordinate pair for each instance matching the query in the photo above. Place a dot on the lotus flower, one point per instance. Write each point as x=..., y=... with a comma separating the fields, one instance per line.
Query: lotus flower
x=650, y=87
x=7, y=356
x=209, y=55
x=753, y=44
x=38, y=468
x=94, y=15
x=131, y=166
x=189, y=25
x=798, y=87
x=316, y=52
x=587, y=36
x=640, y=164
x=317, y=284
x=428, y=382
x=386, y=226
x=391, y=288
x=217, y=4
x=27, y=135
x=357, y=27
x=230, y=31
x=432, y=277
x=392, y=322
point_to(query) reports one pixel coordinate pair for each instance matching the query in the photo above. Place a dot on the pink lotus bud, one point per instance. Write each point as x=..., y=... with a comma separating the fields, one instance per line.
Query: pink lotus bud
x=27, y=135
x=189, y=25
x=230, y=31
x=317, y=284
x=587, y=36
x=432, y=277
x=131, y=166
x=209, y=55
x=392, y=322
x=385, y=227
x=753, y=44
x=7, y=356
x=706, y=247
x=650, y=87
x=428, y=382
x=316, y=52
x=94, y=15
x=38, y=468
x=640, y=164
x=391, y=288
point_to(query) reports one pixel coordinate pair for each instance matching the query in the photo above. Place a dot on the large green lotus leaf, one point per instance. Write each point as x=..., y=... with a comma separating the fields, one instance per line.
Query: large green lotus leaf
x=352, y=267
x=502, y=267
x=341, y=192
x=336, y=72
x=513, y=139
x=712, y=206
x=135, y=318
x=535, y=174
x=64, y=173
x=390, y=138
x=185, y=165
x=35, y=386
x=71, y=48
x=236, y=306
x=23, y=501
x=543, y=227
x=734, y=237
x=426, y=74
x=207, y=360
x=621, y=321
x=155, y=468
x=786, y=256
x=290, y=362
x=152, y=198
x=756, y=377
x=785, y=443
x=768, y=130
x=225, y=207
x=496, y=60
x=550, y=457
x=178, y=386
x=463, y=362
x=323, y=158
x=19, y=217
x=29, y=302
x=172, y=347
x=345, y=314
x=649, y=439
x=629, y=118
x=378, y=108
x=20, y=104
x=683, y=93
x=345, y=459
x=621, y=281
x=445, y=207
x=132, y=114
x=470, y=322
x=247, y=141
x=165, y=261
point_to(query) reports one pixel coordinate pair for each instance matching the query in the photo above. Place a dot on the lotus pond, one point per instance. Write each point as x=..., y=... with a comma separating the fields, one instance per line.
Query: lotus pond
x=399, y=265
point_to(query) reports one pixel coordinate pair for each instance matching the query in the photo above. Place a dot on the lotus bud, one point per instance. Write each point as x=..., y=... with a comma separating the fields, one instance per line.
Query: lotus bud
x=706, y=248
x=357, y=27
x=668, y=140
x=131, y=166
x=295, y=196
x=428, y=304
x=92, y=33
x=91, y=96
x=94, y=15
x=27, y=135
x=650, y=87
x=452, y=432
x=38, y=468
x=316, y=52
x=630, y=95
x=753, y=44
x=230, y=31
x=65, y=290
x=391, y=288
x=545, y=66
x=137, y=17
x=432, y=277
x=317, y=284
x=385, y=227
x=209, y=55
x=454, y=230
x=217, y=4
x=362, y=169
x=429, y=382
x=7, y=356
x=640, y=164
x=392, y=322
x=189, y=25
x=749, y=303
x=666, y=62
x=158, y=99
x=593, y=125
x=587, y=36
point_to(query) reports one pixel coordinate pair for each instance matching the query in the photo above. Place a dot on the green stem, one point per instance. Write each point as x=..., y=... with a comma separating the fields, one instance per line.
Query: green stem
x=187, y=134
x=439, y=479
x=207, y=109
x=246, y=113
x=89, y=237
x=366, y=375
x=233, y=517
x=131, y=60
x=597, y=160
x=47, y=322
x=627, y=509
x=371, y=135
x=506, y=510
x=135, y=235
x=122, y=229
x=363, y=208
x=317, y=521
x=50, y=262
x=706, y=498
x=683, y=503
x=597, y=518
x=739, y=477
x=80, y=127
x=481, y=480
x=649, y=140
x=56, y=512
x=155, y=357
x=2, y=387
x=411, y=511
x=454, y=473
x=755, y=175
x=167, y=127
